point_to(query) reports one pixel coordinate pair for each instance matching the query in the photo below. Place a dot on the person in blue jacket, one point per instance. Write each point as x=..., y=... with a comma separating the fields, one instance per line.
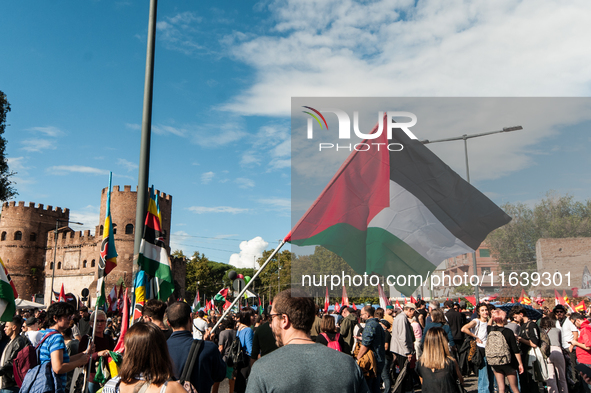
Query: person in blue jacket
x=438, y=320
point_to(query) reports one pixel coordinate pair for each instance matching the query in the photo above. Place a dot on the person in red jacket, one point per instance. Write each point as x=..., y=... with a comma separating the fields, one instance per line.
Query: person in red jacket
x=584, y=351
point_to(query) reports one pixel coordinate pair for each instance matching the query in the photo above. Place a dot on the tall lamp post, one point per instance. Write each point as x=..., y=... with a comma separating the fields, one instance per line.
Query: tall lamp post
x=57, y=222
x=465, y=138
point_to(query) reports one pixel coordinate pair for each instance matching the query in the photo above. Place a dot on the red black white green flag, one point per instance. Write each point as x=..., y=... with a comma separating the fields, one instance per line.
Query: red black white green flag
x=397, y=212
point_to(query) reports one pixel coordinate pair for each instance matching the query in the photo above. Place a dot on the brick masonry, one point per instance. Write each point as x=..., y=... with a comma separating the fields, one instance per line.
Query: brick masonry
x=563, y=256
x=30, y=259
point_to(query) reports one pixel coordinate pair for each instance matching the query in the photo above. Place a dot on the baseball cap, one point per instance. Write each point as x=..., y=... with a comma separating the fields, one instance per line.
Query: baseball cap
x=31, y=321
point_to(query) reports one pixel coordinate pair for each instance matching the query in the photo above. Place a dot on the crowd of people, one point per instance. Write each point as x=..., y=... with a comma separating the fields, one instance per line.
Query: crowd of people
x=423, y=346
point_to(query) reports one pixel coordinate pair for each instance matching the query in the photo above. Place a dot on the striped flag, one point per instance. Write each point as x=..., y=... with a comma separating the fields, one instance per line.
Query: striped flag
x=15, y=293
x=108, y=254
x=114, y=360
x=112, y=299
x=397, y=212
x=153, y=258
x=196, y=303
x=139, y=290
x=7, y=291
x=580, y=307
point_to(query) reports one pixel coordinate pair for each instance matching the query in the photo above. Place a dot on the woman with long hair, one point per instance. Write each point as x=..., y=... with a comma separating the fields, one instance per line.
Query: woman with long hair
x=477, y=329
x=556, y=364
x=438, y=320
x=245, y=334
x=146, y=365
x=328, y=332
x=499, y=319
x=437, y=369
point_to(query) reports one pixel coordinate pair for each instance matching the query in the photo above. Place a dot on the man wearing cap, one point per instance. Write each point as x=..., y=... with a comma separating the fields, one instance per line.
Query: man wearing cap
x=569, y=335
x=388, y=316
x=347, y=326
x=402, y=343
x=32, y=332
x=373, y=338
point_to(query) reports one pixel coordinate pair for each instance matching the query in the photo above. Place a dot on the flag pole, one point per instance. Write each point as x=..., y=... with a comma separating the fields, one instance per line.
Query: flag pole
x=243, y=291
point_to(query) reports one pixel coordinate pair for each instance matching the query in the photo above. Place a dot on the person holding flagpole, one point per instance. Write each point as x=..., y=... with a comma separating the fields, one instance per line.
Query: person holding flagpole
x=102, y=343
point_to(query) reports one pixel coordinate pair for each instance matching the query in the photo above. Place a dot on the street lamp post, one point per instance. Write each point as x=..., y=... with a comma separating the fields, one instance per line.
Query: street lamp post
x=465, y=138
x=55, y=248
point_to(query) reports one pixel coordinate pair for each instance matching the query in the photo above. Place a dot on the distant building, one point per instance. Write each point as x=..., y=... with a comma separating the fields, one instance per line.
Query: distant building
x=565, y=261
x=27, y=246
x=486, y=265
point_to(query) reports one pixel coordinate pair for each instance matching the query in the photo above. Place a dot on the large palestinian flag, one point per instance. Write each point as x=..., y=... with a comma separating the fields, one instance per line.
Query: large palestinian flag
x=397, y=212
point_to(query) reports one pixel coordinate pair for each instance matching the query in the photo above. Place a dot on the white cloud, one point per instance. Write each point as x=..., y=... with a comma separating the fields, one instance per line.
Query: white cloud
x=406, y=48
x=165, y=129
x=283, y=204
x=135, y=127
x=37, y=145
x=176, y=240
x=17, y=164
x=130, y=166
x=177, y=32
x=207, y=177
x=49, y=131
x=88, y=215
x=216, y=135
x=217, y=209
x=244, y=182
x=64, y=169
x=250, y=251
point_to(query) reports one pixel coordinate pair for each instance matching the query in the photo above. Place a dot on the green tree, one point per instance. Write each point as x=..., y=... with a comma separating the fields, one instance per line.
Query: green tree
x=7, y=191
x=198, y=273
x=555, y=216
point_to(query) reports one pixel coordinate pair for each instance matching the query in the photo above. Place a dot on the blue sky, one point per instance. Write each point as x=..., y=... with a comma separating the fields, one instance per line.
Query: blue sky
x=73, y=72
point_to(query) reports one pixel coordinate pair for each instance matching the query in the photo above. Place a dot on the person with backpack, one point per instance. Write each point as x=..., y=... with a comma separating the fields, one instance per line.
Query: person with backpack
x=436, y=368
x=227, y=336
x=209, y=366
x=528, y=338
x=245, y=334
x=556, y=364
x=53, y=348
x=12, y=329
x=373, y=339
x=502, y=352
x=329, y=335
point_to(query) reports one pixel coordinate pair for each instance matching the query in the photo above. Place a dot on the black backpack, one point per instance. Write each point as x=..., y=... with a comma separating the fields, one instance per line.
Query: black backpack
x=236, y=354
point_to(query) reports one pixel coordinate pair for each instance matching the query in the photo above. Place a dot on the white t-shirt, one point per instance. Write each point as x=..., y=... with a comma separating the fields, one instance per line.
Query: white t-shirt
x=566, y=331
x=34, y=336
x=479, y=330
x=199, y=328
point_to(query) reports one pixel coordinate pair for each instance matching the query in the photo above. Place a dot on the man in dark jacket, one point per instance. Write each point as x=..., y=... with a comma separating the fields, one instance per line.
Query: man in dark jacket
x=17, y=342
x=456, y=321
x=348, y=324
x=209, y=367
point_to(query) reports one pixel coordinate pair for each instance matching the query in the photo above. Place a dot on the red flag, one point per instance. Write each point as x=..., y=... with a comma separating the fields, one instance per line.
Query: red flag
x=512, y=300
x=228, y=304
x=62, y=297
x=397, y=305
x=337, y=308
x=558, y=299
x=124, y=324
x=120, y=299
x=354, y=307
x=405, y=300
x=345, y=300
x=413, y=300
x=326, y=301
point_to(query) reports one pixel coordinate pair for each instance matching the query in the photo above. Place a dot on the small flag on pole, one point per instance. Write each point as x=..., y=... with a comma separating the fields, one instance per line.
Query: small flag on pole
x=108, y=254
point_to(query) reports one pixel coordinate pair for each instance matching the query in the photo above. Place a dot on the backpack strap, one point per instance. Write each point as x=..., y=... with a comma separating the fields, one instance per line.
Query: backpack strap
x=44, y=337
x=190, y=362
x=325, y=337
x=336, y=338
